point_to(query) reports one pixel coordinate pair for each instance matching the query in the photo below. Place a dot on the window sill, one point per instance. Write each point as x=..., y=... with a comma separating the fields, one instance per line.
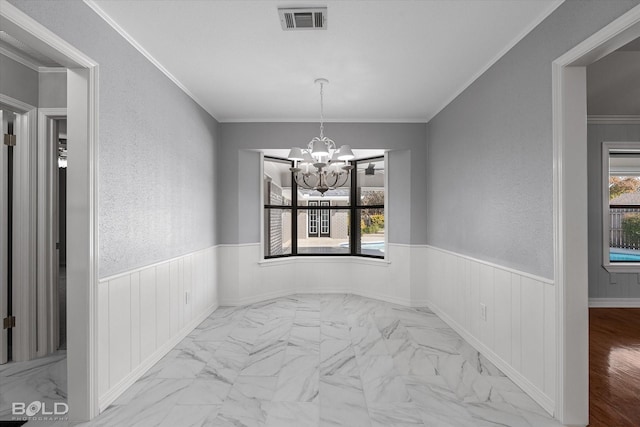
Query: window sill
x=323, y=259
x=627, y=267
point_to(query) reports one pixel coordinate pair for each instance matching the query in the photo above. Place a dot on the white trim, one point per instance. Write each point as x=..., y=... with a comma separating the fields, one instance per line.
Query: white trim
x=234, y=302
x=48, y=327
x=321, y=259
x=314, y=120
x=548, y=11
x=104, y=15
x=144, y=267
x=490, y=264
x=52, y=70
x=114, y=392
x=24, y=218
x=18, y=58
x=571, y=398
x=614, y=120
x=607, y=147
x=82, y=99
x=614, y=302
x=15, y=103
x=235, y=245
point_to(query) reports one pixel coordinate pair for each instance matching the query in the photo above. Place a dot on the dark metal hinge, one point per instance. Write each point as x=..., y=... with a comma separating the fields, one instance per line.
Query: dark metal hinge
x=9, y=322
x=9, y=140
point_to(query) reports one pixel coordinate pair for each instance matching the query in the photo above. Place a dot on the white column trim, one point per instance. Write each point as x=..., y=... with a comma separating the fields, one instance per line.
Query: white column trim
x=48, y=336
x=82, y=99
x=572, y=403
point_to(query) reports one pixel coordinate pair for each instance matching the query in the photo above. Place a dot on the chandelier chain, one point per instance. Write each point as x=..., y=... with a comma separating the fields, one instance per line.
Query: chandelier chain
x=321, y=110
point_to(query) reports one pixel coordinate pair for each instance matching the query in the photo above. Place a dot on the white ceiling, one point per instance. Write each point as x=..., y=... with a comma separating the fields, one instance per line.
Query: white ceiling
x=386, y=60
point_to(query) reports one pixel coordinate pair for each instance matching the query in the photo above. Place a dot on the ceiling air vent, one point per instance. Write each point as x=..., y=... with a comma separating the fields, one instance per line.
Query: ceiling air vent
x=303, y=18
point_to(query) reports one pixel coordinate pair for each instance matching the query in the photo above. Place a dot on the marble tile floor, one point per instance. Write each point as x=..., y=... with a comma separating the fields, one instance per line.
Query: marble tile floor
x=43, y=379
x=324, y=360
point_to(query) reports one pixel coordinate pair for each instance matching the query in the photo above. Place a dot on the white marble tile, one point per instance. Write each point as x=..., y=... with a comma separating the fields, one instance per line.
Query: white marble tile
x=367, y=340
x=395, y=415
x=299, y=379
x=436, y=340
x=380, y=380
x=266, y=359
x=191, y=415
x=342, y=402
x=293, y=414
x=338, y=358
x=410, y=359
x=391, y=328
x=204, y=391
x=182, y=366
x=312, y=360
x=334, y=330
x=224, y=366
x=247, y=402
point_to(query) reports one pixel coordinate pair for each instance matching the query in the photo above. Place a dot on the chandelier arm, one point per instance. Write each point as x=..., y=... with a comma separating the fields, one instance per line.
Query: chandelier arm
x=306, y=184
x=346, y=178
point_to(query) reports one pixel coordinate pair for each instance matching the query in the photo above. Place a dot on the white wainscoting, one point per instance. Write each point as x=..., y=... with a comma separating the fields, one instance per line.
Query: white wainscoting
x=246, y=279
x=518, y=335
x=144, y=313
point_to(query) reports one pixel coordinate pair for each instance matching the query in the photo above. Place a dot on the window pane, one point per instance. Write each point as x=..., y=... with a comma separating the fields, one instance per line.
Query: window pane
x=624, y=207
x=323, y=231
x=277, y=232
x=370, y=179
x=371, y=239
x=277, y=182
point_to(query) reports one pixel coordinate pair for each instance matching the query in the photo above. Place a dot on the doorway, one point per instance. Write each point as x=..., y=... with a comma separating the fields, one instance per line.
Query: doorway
x=570, y=212
x=319, y=220
x=82, y=183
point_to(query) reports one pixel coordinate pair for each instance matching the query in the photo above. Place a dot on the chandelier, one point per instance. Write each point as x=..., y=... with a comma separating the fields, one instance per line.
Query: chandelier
x=321, y=166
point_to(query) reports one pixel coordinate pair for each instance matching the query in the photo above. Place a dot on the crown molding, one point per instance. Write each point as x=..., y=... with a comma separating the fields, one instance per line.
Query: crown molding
x=104, y=15
x=19, y=58
x=613, y=119
x=548, y=11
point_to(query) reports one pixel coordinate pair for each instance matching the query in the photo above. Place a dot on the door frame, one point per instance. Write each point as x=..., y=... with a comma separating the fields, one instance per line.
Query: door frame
x=82, y=206
x=570, y=213
x=24, y=242
x=324, y=213
x=313, y=216
x=48, y=307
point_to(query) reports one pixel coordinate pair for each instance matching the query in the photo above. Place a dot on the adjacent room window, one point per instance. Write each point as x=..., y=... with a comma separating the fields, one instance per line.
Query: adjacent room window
x=621, y=206
x=349, y=220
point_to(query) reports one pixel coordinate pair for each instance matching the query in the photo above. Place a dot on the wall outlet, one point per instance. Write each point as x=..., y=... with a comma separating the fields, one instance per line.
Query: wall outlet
x=483, y=311
x=187, y=297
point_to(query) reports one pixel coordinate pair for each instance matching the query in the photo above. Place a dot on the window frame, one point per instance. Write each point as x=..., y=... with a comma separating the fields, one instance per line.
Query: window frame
x=609, y=148
x=352, y=209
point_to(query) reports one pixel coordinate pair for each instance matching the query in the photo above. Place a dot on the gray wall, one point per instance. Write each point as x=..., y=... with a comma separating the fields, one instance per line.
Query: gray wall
x=601, y=283
x=239, y=181
x=490, y=159
x=156, y=148
x=613, y=84
x=52, y=90
x=18, y=81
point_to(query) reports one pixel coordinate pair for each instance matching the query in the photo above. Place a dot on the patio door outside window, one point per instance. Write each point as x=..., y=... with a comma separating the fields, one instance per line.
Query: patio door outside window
x=319, y=223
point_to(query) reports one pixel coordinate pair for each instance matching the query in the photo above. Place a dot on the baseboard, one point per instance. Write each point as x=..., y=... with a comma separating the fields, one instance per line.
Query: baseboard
x=527, y=386
x=112, y=394
x=614, y=302
x=234, y=302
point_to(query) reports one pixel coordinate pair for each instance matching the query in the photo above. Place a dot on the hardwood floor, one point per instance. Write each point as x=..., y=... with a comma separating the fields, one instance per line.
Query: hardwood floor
x=614, y=367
